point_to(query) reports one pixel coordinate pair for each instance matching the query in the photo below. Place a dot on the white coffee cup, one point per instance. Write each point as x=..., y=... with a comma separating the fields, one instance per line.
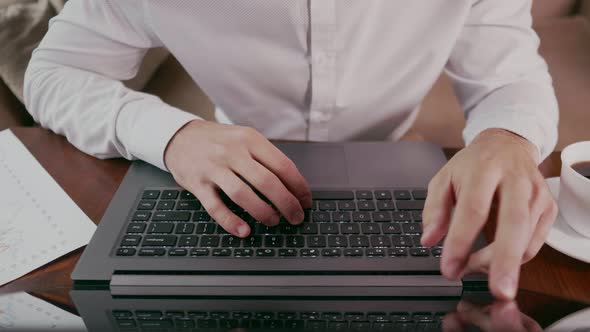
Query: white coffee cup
x=574, y=191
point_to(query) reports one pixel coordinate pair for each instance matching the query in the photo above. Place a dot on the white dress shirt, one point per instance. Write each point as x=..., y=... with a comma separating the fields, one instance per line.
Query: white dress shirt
x=320, y=70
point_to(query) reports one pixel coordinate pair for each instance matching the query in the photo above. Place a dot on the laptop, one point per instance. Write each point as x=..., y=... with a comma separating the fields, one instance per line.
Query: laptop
x=103, y=312
x=361, y=238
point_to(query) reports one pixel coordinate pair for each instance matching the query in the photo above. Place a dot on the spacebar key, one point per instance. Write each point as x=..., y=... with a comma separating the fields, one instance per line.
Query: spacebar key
x=332, y=195
x=159, y=240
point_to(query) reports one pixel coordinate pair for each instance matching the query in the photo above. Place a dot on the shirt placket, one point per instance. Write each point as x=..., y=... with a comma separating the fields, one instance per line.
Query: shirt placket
x=323, y=67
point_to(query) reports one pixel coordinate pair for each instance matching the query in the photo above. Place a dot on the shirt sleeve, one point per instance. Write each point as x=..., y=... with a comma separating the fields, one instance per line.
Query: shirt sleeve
x=73, y=82
x=499, y=76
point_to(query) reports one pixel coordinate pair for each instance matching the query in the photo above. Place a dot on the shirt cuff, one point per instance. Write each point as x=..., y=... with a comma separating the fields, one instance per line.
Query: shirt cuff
x=152, y=129
x=521, y=122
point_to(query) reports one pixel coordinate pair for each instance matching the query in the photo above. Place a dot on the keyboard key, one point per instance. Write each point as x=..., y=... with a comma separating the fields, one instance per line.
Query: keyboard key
x=209, y=241
x=148, y=314
x=188, y=205
x=199, y=252
x=295, y=241
x=141, y=216
x=419, y=194
x=309, y=229
x=154, y=324
x=171, y=216
x=152, y=252
x=382, y=316
x=385, y=205
x=410, y=205
x=131, y=240
x=187, y=195
x=206, y=228
x=366, y=206
x=370, y=228
x=150, y=194
x=397, y=252
x=353, y=252
x=184, y=228
x=416, y=215
x=382, y=326
x=160, y=227
x=401, y=241
x=422, y=317
x=375, y=252
x=354, y=316
x=183, y=323
x=221, y=252
x=253, y=241
x=381, y=216
x=327, y=206
x=122, y=314
x=401, y=194
x=159, y=241
x=349, y=228
x=331, y=252
x=436, y=252
x=126, y=251
x=309, y=253
x=294, y=324
x=364, y=194
x=401, y=216
x=341, y=216
x=419, y=252
x=207, y=323
x=188, y=241
x=165, y=205
x=417, y=240
x=288, y=229
x=231, y=241
x=286, y=315
x=273, y=241
x=346, y=206
x=316, y=241
x=201, y=216
x=412, y=228
x=146, y=205
x=265, y=252
x=400, y=317
x=362, y=326
x=382, y=194
x=220, y=230
x=287, y=252
x=135, y=228
x=263, y=229
x=391, y=228
x=177, y=252
x=338, y=241
x=328, y=228
x=170, y=194
x=361, y=217
x=359, y=241
x=241, y=252
x=320, y=216
x=380, y=241
x=332, y=195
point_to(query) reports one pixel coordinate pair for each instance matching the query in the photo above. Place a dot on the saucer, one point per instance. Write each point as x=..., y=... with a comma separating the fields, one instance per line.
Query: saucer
x=562, y=237
x=578, y=321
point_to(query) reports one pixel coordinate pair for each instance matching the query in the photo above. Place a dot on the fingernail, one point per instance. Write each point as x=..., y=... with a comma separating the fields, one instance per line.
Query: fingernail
x=298, y=217
x=507, y=287
x=243, y=230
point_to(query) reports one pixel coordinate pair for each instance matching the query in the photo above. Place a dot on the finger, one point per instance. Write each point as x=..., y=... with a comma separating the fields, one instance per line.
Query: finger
x=471, y=214
x=506, y=316
x=479, y=261
x=240, y=193
x=530, y=324
x=474, y=316
x=219, y=212
x=437, y=209
x=512, y=238
x=271, y=187
x=273, y=159
x=542, y=228
x=452, y=323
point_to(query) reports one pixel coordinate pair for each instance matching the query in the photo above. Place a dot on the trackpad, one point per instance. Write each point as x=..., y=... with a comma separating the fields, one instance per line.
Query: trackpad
x=321, y=165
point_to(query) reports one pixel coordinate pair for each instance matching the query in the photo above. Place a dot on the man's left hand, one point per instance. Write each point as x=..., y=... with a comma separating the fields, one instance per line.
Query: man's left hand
x=498, y=166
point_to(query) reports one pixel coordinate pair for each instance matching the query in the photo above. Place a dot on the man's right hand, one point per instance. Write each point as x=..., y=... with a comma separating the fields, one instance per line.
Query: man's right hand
x=205, y=157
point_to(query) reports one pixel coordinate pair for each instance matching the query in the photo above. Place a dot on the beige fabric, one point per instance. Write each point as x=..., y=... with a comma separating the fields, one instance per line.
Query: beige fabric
x=23, y=23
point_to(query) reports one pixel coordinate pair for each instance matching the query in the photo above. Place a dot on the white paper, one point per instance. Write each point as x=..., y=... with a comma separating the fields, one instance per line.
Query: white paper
x=23, y=312
x=39, y=222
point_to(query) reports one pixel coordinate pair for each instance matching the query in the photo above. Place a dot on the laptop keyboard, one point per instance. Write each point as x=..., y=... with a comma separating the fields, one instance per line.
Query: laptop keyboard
x=308, y=321
x=353, y=223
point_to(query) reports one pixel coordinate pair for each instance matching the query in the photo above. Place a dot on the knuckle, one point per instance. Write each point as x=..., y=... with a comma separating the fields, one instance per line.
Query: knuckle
x=475, y=209
x=285, y=165
x=266, y=181
x=529, y=254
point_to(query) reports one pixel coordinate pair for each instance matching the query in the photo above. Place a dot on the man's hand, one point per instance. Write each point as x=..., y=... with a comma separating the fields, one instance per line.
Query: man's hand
x=496, y=317
x=502, y=167
x=204, y=157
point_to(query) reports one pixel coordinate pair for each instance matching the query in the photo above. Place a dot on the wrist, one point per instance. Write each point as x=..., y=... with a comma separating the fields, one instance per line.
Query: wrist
x=503, y=136
x=170, y=147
